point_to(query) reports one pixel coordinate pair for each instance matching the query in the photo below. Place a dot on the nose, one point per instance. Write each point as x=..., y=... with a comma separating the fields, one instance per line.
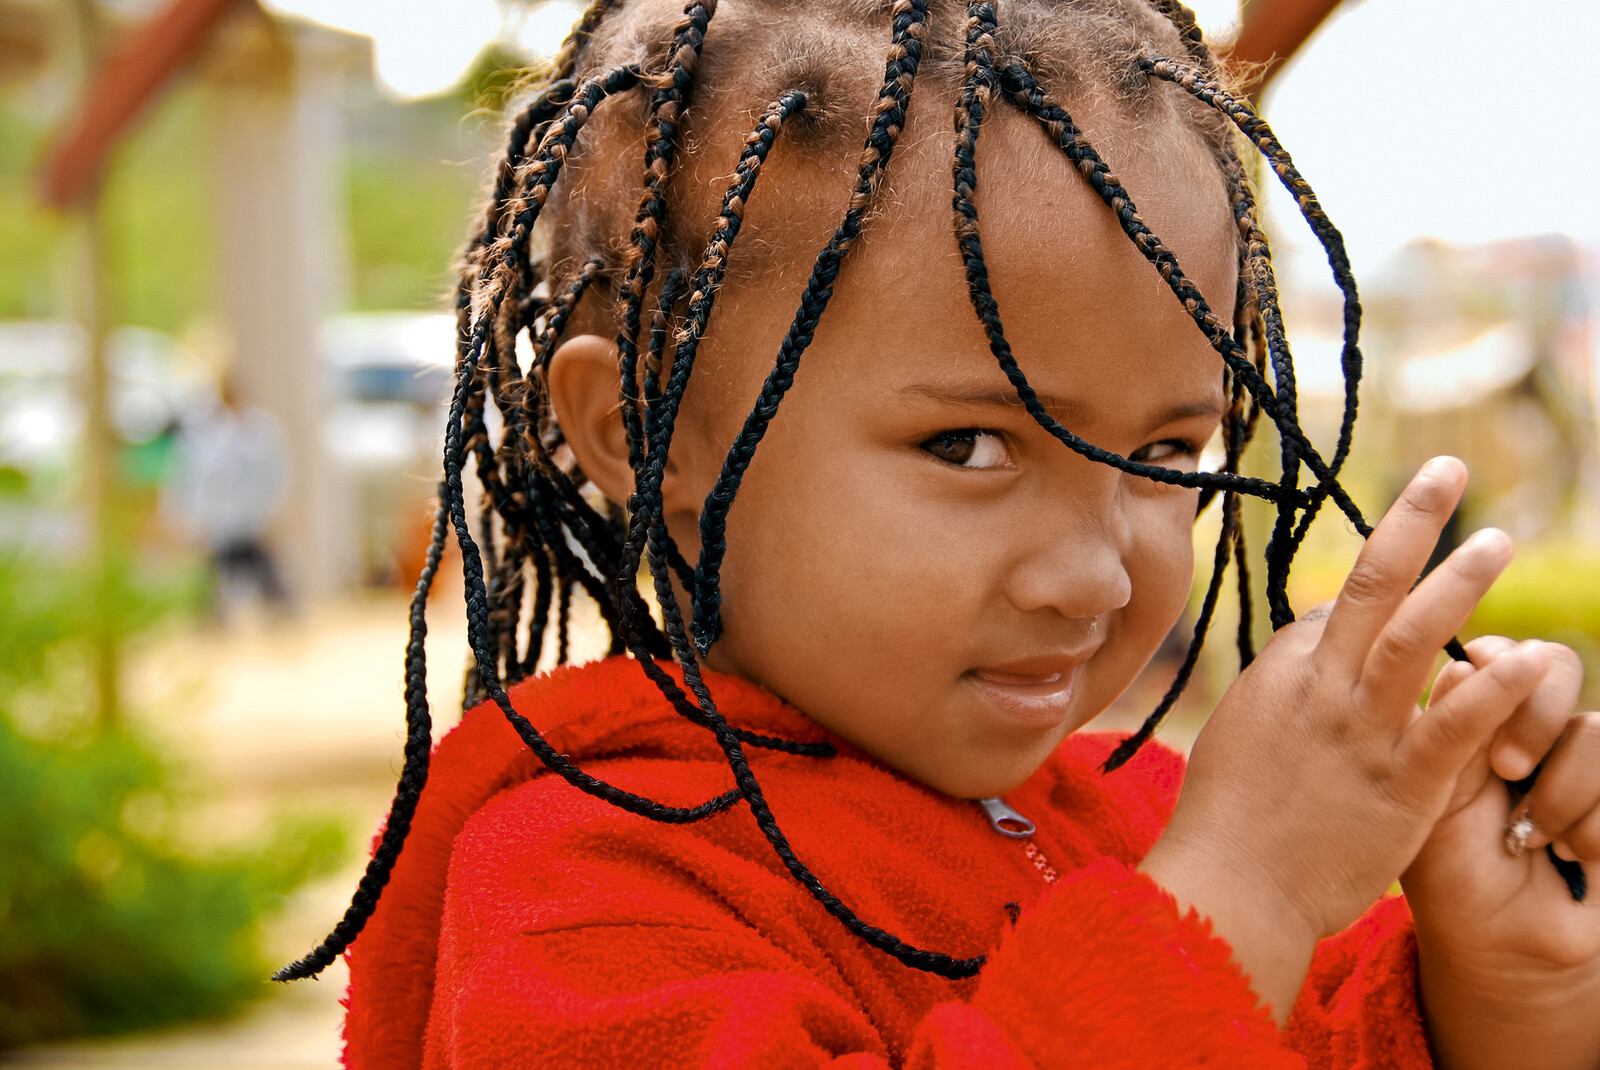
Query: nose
x=1074, y=564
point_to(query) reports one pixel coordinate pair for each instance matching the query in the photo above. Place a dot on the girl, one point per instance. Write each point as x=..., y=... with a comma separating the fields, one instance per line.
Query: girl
x=960, y=538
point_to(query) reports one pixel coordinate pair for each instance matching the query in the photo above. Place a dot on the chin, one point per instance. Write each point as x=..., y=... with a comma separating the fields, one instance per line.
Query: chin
x=997, y=775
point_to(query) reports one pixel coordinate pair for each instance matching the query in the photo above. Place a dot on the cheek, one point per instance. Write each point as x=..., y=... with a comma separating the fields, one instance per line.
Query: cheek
x=833, y=551
x=835, y=583
x=1161, y=564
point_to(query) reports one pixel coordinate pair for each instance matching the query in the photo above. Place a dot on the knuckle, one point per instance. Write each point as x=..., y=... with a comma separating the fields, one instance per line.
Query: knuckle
x=1296, y=638
x=1507, y=680
x=1366, y=583
x=1470, y=570
x=1486, y=648
x=1564, y=659
x=1450, y=677
x=1450, y=733
x=1400, y=642
x=1319, y=612
x=1421, y=498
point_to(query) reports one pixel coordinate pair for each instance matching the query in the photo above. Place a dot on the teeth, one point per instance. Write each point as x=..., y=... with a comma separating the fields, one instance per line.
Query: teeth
x=1019, y=680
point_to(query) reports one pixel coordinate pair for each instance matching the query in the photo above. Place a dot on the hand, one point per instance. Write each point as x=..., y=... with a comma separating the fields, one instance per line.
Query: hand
x=1509, y=963
x=1317, y=779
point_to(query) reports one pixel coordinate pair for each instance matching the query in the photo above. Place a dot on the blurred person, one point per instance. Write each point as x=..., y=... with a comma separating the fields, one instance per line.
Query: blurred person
x=833, y=807
x=229, y=477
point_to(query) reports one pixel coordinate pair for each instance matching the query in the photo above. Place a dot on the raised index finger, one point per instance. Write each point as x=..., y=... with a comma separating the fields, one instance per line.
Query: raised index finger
x=1391, y=561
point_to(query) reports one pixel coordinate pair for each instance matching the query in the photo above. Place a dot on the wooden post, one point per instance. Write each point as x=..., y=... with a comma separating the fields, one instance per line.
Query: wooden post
x=101, y=478
x=276, y=137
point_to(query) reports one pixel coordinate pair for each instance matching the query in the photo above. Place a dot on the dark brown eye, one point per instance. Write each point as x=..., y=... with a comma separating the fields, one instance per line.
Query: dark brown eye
x=956, y=447
x=1164, y=453
x=969, y=448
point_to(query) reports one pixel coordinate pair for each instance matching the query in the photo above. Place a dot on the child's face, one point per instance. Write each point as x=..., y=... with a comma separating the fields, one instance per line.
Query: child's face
x=912, y=560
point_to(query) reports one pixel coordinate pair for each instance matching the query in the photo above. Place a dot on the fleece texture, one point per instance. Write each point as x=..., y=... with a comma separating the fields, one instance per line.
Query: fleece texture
x=528, y=924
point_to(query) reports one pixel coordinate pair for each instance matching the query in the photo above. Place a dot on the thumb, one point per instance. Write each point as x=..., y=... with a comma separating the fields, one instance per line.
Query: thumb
x=1439, y=743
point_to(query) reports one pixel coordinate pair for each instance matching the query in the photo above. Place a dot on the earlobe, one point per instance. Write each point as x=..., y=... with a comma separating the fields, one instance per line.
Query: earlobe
x=585, y=390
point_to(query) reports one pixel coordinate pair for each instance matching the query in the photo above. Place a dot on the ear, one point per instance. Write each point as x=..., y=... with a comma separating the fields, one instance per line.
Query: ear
x=585, y=389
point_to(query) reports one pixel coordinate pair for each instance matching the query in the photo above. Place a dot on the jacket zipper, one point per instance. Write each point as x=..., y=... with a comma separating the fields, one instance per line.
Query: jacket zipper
x=1012, y=825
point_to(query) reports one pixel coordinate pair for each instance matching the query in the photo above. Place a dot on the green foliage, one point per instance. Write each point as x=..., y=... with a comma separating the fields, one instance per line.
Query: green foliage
x=1549, y=592
x=157, y=211
x=497, y=78
x=1546, y=590
x=408, y=214
x=108, y=921
x=408, y=219
x=28, y=235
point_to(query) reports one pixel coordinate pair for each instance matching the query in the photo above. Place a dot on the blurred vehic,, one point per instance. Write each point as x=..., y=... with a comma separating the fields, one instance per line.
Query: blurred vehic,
x=384, y=374
x=388, y=374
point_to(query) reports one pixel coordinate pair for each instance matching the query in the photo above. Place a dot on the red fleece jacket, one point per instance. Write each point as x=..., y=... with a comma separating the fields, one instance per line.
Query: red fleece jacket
x=528, y=924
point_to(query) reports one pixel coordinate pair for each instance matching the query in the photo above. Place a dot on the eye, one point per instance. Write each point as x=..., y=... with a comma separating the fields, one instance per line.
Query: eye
x=969, y=448
x=1169, y=453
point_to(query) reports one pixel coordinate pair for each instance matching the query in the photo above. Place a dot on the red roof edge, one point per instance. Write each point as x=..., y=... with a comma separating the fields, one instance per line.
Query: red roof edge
x=133, y=73
x=1273, y=31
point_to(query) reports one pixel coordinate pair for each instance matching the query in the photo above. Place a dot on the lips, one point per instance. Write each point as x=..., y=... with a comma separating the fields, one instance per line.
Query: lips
x=1033, y=693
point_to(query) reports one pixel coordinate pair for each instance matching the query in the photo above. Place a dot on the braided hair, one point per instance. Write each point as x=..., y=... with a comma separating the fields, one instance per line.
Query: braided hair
x=539, y=522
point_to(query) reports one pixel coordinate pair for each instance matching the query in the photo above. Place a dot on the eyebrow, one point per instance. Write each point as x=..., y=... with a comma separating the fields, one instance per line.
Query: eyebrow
x=1067, y=411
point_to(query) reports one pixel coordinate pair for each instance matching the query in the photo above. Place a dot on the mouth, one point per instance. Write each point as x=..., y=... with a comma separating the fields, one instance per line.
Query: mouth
x=1032, y=695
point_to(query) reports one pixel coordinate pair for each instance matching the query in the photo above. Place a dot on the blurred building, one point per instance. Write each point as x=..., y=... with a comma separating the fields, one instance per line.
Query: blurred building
x=286, y=107
x=1485, y=352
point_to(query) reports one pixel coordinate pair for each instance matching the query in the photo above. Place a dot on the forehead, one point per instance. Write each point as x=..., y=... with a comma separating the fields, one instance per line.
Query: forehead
x=1080, y=303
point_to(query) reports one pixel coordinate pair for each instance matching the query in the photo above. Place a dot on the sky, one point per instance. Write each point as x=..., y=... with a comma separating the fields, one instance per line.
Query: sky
x=423, y=47
x=1463, y=120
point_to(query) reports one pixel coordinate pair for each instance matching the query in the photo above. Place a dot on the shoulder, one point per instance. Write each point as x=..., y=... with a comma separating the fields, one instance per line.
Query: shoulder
x=1155, y=773
x=1119, y=814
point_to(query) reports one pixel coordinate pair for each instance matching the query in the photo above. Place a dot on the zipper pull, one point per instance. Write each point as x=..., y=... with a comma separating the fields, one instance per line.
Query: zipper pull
x=1006, y=821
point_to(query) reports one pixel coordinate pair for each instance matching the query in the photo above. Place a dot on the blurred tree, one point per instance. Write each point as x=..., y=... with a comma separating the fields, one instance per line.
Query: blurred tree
x=108, y=920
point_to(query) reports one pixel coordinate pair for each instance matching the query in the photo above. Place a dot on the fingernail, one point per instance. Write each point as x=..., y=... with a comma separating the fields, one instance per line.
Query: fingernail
x=1489, y=548
x=1489, y=539
x=1440, y=469
x=1517, y=834
x=1535, y=650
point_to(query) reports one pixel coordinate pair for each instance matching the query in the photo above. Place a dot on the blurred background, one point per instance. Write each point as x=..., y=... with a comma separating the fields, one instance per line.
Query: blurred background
x=226, y=237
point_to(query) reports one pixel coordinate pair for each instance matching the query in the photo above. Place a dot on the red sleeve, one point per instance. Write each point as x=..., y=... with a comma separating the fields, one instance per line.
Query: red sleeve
x=1103, y=972
x=1358, y=1009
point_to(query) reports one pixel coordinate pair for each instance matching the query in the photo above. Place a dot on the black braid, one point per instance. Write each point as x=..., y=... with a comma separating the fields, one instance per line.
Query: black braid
x=496, y=274
x=1208, y=607
x=982, y=81
x=970, y=113
x=889, y=117
x=413, y=775
x=672, y=89
x=648, y=527
x=905, y=53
